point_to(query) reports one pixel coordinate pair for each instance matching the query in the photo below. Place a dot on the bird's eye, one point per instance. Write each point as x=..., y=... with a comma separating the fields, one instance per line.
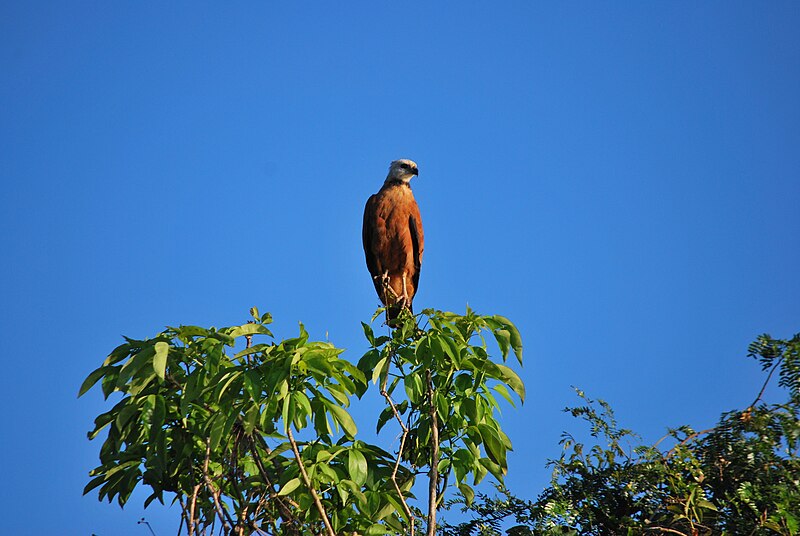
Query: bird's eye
x=404, y=166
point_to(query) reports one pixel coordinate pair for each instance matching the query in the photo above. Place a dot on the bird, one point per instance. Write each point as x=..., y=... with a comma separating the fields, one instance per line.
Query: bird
x=394, y=240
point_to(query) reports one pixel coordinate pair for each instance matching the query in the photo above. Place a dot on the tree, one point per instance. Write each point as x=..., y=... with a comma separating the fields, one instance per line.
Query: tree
x=261, y=441
x=740, y=477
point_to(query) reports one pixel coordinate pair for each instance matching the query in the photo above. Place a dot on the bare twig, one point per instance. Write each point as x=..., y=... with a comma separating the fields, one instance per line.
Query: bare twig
x=746, y=411
x=317, y=502
x=764, y=387
x=183, y=514
x=192, y=526
x=215, y=495
x=688, y=438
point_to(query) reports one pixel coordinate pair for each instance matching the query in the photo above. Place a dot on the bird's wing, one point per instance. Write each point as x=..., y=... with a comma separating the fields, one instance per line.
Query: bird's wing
x=417, y=241
x=368, y=236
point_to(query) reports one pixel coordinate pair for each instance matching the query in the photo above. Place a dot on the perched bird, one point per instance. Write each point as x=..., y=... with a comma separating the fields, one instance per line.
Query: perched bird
x=393, y=239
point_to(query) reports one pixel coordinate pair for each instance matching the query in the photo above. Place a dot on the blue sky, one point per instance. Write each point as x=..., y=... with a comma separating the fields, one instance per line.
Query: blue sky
x=620, y=179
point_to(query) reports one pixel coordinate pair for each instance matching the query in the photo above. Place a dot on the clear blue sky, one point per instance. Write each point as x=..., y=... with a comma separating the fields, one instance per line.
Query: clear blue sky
x=620, y=179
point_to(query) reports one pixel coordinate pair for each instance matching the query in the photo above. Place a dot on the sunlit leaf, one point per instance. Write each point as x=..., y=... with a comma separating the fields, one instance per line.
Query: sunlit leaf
x=344, y=419
x=160, y=359
x=290, y=486
x=512, y=380
x=357, y=467
x=91, y=379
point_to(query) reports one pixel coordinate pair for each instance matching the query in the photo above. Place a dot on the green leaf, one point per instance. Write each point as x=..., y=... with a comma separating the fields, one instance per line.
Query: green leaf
x=380, y=369
x=707, y=505
x=118, y=354
x=93, y=483
x=217, y=429
x=386, y=415
x=92, y=379
x=503, y=337
x=413, y=385
x=248, y=329
x=343, y=418
x=251, y=418
x=157, y=417
x=132, y=367
x=357, y=466
x=500, y=388
x=125, y=413
x=512, y=380
x=160, y=359
x=496, y=471
x=252, y=382
x=515, y=338
x=287, y=413
x=321, y=424
x=494, y=445
x=290, y=486
x=255, y=349
x=468, y=493
x=463, y=462
x=376, y=529
x=368, y=333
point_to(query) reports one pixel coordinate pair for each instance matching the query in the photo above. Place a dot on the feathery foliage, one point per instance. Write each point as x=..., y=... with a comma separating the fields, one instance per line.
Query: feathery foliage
x=740, y=477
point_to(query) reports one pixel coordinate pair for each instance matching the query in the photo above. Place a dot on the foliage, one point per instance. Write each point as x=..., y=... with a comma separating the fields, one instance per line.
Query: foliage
x=214, y=428
x=740, y=477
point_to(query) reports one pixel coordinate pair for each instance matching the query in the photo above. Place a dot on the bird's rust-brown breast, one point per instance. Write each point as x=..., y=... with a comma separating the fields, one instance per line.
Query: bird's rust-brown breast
x=393, y=239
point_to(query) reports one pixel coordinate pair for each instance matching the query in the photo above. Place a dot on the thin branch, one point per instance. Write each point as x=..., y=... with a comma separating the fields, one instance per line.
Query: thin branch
x=183, y=515
x=286, y=512
x=406, y=509
x=689, y=438
x=317, y=502
x=215, y=495
x=433, y=474
x=665, y=529
x=709, y=430
x=764, y=387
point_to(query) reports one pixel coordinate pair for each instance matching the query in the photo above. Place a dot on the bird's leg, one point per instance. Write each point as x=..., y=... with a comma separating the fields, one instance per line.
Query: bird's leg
x=405, y=292
x=387, y=287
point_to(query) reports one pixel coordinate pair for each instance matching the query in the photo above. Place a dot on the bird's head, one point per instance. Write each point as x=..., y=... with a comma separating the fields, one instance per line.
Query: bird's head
x=402, y=170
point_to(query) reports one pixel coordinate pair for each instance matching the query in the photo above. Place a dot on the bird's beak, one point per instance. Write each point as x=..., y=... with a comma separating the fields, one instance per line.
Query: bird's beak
x=415, y=171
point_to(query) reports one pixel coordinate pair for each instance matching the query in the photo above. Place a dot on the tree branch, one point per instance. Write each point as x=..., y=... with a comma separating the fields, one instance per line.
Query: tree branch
x=317, y=502
x=286, y=513
x=433, y=474
x=689, y=438
x=665, y=529
x=226, y=522
x=766, y=382
x=406, y=509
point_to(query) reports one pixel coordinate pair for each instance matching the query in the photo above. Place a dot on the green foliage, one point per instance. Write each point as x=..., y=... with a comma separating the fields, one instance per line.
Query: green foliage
x=214, y=428
x=465, y=382
x=741, y=477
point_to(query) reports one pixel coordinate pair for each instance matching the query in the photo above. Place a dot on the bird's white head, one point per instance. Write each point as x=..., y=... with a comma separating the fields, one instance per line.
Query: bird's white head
x=402, y=170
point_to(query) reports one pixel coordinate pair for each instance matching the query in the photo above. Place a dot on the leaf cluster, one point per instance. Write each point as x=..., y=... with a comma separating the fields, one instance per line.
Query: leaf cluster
x=740, y=477
x=252, y=435
x=446, y=372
